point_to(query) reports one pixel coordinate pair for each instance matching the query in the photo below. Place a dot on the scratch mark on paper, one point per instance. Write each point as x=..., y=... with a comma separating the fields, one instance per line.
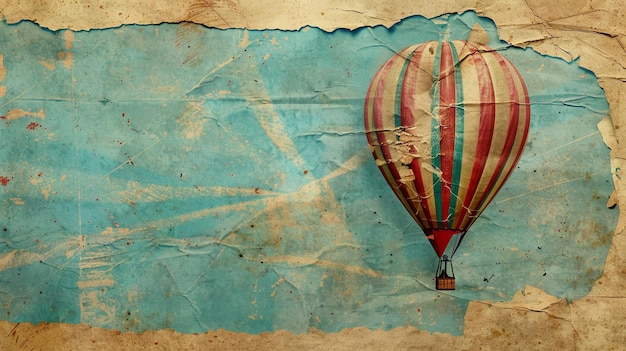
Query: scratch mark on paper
x=586, y=176
x=136, y=192
x=577, y=140
x=203, y=11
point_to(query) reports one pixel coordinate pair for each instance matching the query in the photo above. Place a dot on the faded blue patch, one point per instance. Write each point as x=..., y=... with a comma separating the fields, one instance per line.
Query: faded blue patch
x=196, y=179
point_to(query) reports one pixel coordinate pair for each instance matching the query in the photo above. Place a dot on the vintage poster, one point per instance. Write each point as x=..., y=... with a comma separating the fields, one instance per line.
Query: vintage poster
x=211, y=175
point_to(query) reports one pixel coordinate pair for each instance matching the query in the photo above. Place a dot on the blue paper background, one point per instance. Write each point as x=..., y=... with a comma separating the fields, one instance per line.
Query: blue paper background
x=193, y=178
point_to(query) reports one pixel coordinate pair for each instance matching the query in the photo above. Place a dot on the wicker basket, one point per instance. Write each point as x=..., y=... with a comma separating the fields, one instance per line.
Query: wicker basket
x=444, y=280
x=445, y=283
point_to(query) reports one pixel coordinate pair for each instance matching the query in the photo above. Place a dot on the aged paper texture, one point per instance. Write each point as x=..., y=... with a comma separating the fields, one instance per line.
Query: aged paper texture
x=585, y=35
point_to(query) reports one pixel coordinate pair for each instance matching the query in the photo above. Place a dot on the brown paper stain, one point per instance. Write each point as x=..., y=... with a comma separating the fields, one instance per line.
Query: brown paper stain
x=3, y=69
x=193, y=120
x=96, y=283
x=48, y=64
x=259, y=99
x=17, y=113
x=17, y=200
x=3, y=74
x=95, y=277
x=251, y=14
x=45, y=191
x=17, y=258
x=592, y=31
x=65, y=56
x=4, y=260
x=305, y=261
x=69, y=39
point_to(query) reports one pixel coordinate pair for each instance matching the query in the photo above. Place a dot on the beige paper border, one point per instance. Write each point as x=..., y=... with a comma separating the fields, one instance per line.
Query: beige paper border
x=593, y=31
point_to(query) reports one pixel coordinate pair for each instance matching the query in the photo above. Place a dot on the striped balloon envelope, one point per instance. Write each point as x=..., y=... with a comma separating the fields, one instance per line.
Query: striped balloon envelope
x=446, y=123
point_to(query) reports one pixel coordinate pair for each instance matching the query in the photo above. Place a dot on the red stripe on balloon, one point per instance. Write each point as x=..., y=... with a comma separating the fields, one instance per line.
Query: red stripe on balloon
x=485, y=129
x=447, y=128
x=511, y=131
x=379, y=116
x=378, y=111
x=407, y=118
x=526, y=103
x=368, y=127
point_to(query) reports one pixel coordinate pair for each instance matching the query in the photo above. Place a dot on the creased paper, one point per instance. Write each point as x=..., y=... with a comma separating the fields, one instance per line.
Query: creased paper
x=550, y=34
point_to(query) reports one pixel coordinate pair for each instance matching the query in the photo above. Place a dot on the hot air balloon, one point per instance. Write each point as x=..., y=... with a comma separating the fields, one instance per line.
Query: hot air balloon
x=446, y=122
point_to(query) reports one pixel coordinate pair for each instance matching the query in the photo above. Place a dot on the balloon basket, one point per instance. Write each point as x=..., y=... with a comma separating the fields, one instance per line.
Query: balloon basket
x=445, y=283
x=444, y=280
